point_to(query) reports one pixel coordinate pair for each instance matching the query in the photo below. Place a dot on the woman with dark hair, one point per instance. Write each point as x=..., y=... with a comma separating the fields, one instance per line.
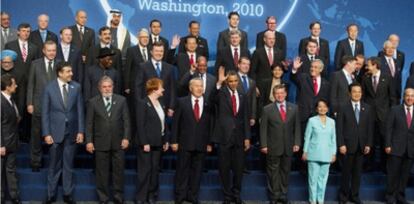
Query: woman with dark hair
x=151, y=140
x=319, y=151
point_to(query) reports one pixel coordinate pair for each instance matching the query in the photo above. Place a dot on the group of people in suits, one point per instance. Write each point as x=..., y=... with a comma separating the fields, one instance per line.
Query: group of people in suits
x=155, y=96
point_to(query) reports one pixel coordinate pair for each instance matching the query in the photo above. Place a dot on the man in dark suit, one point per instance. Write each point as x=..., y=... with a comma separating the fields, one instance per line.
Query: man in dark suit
x=9, y=139
x=7, y=33
x=107, y=135
x=322, y=44
x=354, y=128
x=390, y=66
x=398, y=55
x=228, y=56
x=68, y=52
x=247, y=86
x=187, y=60
x=350, y=46
x=279, y=146
x=105, y=39
x=42, y=71
x=95, y=72
x=155, y=29
x=339, y=81
x=379, y=93
x=224, y=40
x=62, y=128
x=191, y=130
x=309, y=56
x=194, y=31
x=399, y=145
x=264, y=57
x=164, y=71
x=232, y=134
x=42, y=34
x=360, y=70
x=83, y=37
x=121, y=38
x=200, y=70
x=280, y=43
x=311, y=87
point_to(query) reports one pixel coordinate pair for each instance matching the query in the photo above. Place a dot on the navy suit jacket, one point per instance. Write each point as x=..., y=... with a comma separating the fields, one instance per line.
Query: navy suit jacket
x=75, y=59
x=58, y=120
x=343, y=48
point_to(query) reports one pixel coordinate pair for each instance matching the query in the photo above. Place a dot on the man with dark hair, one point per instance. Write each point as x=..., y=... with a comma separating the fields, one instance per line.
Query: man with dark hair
x=350, y=46
x=194, y=31
x=359, y=68
x=155, y=31
x=310, y=55
x=121, y=38
x=83, y=37
x=9, y=139
x=62, y=128
x=105, y=39
x=280, y=43
x=354, y=128
x=42, y=34
x=228, y=56
x=187, y=60
x=223, y=39
x=8, y=34
x=42, y=71
x=322, y=51
x=68, y=52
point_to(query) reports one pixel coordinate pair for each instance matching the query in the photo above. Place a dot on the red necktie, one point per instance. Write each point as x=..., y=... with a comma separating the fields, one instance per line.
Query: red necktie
x=191, y=59
x=270, y=56
x=282, y=112
x=24, y=52
x=236, y=57
x=315, y=86
x=234, y=103
x=408, y=117
x=196, y=110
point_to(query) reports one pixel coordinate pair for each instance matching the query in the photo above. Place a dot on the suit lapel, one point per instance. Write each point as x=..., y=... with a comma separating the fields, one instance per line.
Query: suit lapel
x=58, y=93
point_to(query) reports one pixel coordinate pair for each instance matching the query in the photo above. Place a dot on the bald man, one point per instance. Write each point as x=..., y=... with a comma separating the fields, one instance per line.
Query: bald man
x=42, y=34
x=83, y=37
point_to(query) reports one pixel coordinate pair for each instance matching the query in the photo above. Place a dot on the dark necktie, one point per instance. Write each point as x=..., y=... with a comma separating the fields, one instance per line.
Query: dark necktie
x=108, y=105
x=375, y=83
x=81, y=33
x=196, y=110
x=236, y=57
x=49, y=70
x=158, y=69
x=245, y=83
x=234, y=103
x=357, y=113
x=65, y=95
x=282, y=112
x=144, y=54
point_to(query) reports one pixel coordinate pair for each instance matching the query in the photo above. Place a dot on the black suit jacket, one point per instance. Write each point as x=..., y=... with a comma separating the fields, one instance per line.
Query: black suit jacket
x=94, y=74
x=88, y=39
x=382, y=99
x=36, y=38
x=385, y=68
x=339, y=90
x=230, y=129
x=190, y=134
x=400, y=58
x=91, y=58
x=324, y=54
x=166, y=47
x=106, y=131
x=265, y=90
x=185, y=80
x=281, y=42
x=410, y=82
x=202, y=46
x=9, y=126
x=261, y=69
x=167, y=76
x=355, y=136
x=225, y=58
x=251, y=96
x=132, y=67
x=149, y=125
x=399, y=136
x=20, y=95
x=343, y=48
x=223, y=40
x=183, y=63
x=75, y=59
x=305, y=97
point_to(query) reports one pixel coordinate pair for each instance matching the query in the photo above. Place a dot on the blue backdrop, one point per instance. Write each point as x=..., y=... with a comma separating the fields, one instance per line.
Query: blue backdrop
x=377, y=19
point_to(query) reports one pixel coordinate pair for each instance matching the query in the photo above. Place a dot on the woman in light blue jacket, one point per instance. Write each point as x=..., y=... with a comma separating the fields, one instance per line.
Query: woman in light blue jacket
x=319, y=150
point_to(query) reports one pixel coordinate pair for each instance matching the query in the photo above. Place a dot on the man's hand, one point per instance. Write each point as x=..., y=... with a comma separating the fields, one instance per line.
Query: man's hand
x=49, y=139
x=297, y=64
x=296, y=148
x=2, y=151
x=175, y=41
x=90, y=147
x=333, y=159
x=127, y=91
x=209, y=148
x=147, y=148
x=30, y=109
x=252, y=122
x=83, y=58
x=367, y=149
x=342, y=149
x=246, y=145
x=124, y=144
x=165, y=147
x=170, y=112
x=174, y=147
x=264, y=150
x=388, y=150
x=221, y=75
x=305, y=156
x=79, y=138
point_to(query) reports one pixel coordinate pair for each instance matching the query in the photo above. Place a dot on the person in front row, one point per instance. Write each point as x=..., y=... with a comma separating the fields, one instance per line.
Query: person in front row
x=319, y=150
x=152, y=141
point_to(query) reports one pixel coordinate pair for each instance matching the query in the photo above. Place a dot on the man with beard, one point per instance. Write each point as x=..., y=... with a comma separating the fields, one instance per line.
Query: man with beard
x=120, y=35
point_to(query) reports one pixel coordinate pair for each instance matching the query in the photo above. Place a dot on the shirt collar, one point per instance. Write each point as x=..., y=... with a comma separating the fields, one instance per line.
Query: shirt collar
x=60, y=82
x=355, y=103
x=8, y=97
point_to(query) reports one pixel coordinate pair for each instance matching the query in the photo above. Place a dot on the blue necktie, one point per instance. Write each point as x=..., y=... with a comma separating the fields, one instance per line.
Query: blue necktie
x=353, y=48
x=158, y=69
x=43, y=35
x=357, y=113
x=245, y=83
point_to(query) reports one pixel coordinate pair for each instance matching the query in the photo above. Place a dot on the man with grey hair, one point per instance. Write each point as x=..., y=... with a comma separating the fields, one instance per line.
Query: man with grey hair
x=42, y=34
x=107, y=135
x=390, y=66
x=228, y=56
x=7, y=33
x=398, y=54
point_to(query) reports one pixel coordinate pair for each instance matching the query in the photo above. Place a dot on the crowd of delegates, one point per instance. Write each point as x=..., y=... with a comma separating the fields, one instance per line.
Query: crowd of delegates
x=156, y=96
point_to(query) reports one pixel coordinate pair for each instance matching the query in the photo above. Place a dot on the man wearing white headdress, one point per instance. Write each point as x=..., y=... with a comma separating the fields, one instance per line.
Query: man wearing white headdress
x=120, y=35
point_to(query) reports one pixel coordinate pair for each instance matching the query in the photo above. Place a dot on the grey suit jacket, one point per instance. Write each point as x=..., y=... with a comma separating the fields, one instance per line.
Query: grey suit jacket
x=278, y=136
x=12, y=36
x=38, y=79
